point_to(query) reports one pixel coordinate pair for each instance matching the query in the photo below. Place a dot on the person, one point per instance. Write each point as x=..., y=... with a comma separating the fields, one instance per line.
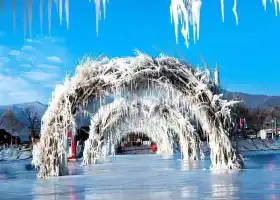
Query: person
x=153, y=147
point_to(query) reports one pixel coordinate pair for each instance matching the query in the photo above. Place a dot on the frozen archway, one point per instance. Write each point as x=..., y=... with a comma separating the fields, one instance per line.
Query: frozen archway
x=115, y=120
x=98, y=78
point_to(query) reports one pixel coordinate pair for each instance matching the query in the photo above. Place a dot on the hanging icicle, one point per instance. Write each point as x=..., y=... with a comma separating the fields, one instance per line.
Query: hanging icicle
x=41, y=15
x=223, y=10
x=3, y=7
x=60, y=11
x=67, y=13
x=24, y=18
x=30, y=6
x=264, y=4
x=56, y=5
x=97, y=15
x=14, y=10
x=50, y=15
x=276, y=6
x=183, y=12
x=235, y=12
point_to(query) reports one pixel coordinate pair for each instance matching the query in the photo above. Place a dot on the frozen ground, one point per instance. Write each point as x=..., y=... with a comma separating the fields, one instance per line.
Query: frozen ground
x=146, y=177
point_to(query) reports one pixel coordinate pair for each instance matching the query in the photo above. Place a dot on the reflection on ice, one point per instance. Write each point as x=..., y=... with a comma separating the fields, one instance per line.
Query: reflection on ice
x=189, y=192
x=55, y=191
x=141, y=177
x=226, y=190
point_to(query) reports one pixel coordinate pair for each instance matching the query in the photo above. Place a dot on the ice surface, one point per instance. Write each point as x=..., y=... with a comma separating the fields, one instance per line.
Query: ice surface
x=142, y=177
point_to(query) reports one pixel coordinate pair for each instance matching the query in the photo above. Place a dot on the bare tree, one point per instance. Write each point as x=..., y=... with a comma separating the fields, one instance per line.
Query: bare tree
x=11, y=125
x=32, y=120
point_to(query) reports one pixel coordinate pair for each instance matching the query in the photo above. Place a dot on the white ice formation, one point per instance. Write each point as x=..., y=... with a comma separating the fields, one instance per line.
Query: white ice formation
x=160, y=121
x=185, y=13
x=161, y=92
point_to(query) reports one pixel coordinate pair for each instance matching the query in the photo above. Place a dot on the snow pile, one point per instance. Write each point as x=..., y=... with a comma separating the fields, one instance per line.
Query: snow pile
x=258, y=144
x=13, y=153
x=192, y=92
x=249, y=145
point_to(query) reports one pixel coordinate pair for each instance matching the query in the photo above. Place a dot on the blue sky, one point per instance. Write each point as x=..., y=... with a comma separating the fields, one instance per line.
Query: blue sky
x=247, y=54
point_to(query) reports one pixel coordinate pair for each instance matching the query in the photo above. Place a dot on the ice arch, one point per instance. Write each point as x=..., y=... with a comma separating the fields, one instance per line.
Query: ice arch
x=115, y=120
x=98, y=78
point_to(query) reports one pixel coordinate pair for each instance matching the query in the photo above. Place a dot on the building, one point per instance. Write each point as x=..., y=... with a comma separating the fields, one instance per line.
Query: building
x=269, y=133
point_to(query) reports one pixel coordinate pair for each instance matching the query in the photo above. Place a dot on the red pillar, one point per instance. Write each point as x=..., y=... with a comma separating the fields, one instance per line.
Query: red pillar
x=73, y=145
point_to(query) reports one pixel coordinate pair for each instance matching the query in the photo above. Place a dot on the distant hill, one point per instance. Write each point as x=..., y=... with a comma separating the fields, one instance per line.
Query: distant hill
x=18, y=112
x=17, y=108
x=251, y=101
x=254, y=100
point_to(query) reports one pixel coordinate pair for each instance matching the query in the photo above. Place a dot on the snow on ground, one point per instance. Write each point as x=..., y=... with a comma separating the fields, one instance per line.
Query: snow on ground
x=15, y=153
x=251, y=145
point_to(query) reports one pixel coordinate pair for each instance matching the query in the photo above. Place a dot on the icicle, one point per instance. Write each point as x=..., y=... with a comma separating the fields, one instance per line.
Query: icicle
x=234, y=11
x=14, y=6
x=30, y=17
x=41, y=15
x=60, y=10
x=67, y=13
x=223, y=10
x=3, y=7
x=104, y=9
x=56, y=5
x=186, y=10
x=50, y=15
x=97, y=14
x=277, y=6
x=24, y=18
x=196, y=6
x=264, y=4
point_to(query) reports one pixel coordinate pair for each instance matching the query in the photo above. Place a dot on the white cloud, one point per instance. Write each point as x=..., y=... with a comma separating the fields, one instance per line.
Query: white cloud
x=14, y=53
x=39, y=76
x=46, y=66
x=27, y=48
x=15, y=90
x=54, y=59
x=24, y=73
x=26, y=65
x=4, y=61
x=33, y=41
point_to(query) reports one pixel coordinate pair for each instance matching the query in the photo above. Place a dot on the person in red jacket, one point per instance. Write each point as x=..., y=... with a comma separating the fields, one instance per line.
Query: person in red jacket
x=153, y=147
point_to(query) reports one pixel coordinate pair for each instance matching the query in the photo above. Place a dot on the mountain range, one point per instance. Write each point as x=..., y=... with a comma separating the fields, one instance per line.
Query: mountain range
x=251, y=101
x=254, y=100
x=18, y=108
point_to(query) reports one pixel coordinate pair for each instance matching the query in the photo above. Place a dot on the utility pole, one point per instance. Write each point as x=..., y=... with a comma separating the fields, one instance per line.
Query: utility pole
x=217, y=75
